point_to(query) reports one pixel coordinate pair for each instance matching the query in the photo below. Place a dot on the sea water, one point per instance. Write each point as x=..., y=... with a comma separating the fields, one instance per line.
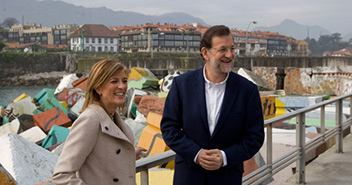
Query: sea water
x=9, y=93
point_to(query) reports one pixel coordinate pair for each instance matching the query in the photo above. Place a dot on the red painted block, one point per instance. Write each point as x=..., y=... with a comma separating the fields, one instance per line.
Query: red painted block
x=72, y=96
x=54, y=116
x=81, y=83
x=62, y=95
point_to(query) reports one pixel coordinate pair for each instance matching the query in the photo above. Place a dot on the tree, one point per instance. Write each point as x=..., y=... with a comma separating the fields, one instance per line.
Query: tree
x=10, y=21
x=2, y=45
x=331, y=43
x=336, y=37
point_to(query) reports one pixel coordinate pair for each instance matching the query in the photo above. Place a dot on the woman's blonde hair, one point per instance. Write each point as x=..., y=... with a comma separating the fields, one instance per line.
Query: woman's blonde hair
x=99, y=74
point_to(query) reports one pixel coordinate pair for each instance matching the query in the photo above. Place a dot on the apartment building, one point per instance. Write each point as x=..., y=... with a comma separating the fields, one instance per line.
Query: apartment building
x=157, y=37
x=249, y=43
x=94, y=38
x=33, y=33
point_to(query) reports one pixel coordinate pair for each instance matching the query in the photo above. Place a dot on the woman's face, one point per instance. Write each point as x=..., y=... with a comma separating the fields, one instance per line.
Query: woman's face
x=113, y=91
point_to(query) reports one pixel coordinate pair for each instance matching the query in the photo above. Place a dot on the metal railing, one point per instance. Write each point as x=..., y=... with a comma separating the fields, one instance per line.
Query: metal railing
x=298, y=154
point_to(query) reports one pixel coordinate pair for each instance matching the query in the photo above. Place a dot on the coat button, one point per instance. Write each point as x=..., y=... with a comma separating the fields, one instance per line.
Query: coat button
x=106, y=128
x=118, y=151
x=115, y=179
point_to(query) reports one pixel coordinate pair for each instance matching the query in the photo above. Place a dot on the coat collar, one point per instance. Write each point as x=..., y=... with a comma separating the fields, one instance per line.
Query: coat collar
x=108, y=126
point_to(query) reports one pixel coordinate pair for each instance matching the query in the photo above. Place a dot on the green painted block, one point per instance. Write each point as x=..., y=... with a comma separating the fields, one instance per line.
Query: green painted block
x=43, y=95
x=57, y=134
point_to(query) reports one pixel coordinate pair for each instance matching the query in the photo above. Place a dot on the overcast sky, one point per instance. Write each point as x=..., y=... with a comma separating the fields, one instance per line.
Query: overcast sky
x=335, y=16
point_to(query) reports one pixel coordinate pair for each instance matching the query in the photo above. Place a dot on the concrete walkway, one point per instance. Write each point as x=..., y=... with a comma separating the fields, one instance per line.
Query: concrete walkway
x=330, y=167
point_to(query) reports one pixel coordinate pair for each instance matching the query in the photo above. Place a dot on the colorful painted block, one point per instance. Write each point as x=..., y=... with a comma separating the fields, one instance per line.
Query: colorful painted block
x=54, y=116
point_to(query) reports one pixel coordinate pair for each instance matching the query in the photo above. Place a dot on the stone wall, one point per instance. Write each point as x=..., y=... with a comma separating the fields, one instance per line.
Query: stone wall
x=296, y=75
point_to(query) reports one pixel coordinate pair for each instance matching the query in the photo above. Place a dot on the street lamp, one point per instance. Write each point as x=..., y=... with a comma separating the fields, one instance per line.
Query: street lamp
x=150, y=41
x=254, y=22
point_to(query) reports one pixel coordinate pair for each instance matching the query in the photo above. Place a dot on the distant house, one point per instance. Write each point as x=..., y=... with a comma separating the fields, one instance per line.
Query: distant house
x=341, y=53
x=345, y=52
x=94, y=38
x=302, y=48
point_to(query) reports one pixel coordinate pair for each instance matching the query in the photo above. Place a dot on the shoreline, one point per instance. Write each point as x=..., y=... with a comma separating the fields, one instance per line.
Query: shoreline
x=39, y=79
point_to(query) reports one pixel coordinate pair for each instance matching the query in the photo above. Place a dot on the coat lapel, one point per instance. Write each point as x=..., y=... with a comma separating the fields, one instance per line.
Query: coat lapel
x=199, y=90
x=229, y=98
x=110, y=128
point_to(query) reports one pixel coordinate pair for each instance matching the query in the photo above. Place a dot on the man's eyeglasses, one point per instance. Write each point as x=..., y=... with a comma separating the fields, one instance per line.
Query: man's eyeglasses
x=225, y=49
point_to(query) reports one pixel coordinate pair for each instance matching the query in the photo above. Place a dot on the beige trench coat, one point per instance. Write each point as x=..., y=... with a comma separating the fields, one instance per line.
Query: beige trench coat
x=97, y=151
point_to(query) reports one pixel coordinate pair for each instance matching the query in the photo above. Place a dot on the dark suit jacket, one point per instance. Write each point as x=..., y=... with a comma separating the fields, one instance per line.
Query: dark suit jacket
x=239, y=131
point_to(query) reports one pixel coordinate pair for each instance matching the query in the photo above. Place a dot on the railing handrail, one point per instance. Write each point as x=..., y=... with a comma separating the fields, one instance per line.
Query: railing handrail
x=272, y=167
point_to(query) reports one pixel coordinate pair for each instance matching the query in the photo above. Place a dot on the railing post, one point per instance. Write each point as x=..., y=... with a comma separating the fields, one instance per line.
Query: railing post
x=339, y=137
x=301, y=142
x=322, y=121
x=144, y=177
x=350, y=105
x=269, y=147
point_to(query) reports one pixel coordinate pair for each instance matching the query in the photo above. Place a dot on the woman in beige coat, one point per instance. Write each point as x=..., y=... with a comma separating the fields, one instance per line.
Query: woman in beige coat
x=99, y=148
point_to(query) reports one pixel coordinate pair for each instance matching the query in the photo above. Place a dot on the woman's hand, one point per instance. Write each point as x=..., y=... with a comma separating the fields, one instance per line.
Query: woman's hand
x=139, y=150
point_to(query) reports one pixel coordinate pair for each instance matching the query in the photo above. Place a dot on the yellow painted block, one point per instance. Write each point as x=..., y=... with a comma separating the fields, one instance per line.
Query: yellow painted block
x=63, y=103
x=279, y=103
x=137, y=73
x=280, y=111
x=163, y=95
x=158, y=177
x=154, y=119
x=151, y=138
x=22, y=96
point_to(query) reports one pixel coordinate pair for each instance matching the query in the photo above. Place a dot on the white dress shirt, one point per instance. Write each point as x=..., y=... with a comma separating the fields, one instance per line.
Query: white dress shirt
x=214, y=96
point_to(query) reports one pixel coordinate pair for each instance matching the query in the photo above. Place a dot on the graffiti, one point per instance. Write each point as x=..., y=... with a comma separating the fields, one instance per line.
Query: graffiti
x=268, y=106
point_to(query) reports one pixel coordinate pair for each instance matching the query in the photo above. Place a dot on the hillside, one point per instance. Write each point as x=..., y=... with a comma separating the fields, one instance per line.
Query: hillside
x=295, y=30
x=51, y=13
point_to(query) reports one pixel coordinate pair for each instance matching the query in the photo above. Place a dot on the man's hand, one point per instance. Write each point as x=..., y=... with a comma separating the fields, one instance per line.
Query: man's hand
x=210, y=159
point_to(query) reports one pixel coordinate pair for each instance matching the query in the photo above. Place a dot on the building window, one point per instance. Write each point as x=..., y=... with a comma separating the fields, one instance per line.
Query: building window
x=111, y=40
x=56, y=32
x=63, y=37
x=169, y=43
x=178, y=43
x=87, y=40
x=93, y=48
x=99, y=40
x=169, y=37
x=196, y=37
x=63, y=31
x=99, y=49
x=106, y=40
x=178, y=37
x=111, y=48
x=93, y=40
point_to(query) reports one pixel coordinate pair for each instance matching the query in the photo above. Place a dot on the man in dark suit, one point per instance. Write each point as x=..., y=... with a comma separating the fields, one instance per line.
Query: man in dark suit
x=213, y=117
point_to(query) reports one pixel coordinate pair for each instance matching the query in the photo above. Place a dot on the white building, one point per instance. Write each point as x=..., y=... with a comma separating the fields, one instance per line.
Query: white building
x=95, y=38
